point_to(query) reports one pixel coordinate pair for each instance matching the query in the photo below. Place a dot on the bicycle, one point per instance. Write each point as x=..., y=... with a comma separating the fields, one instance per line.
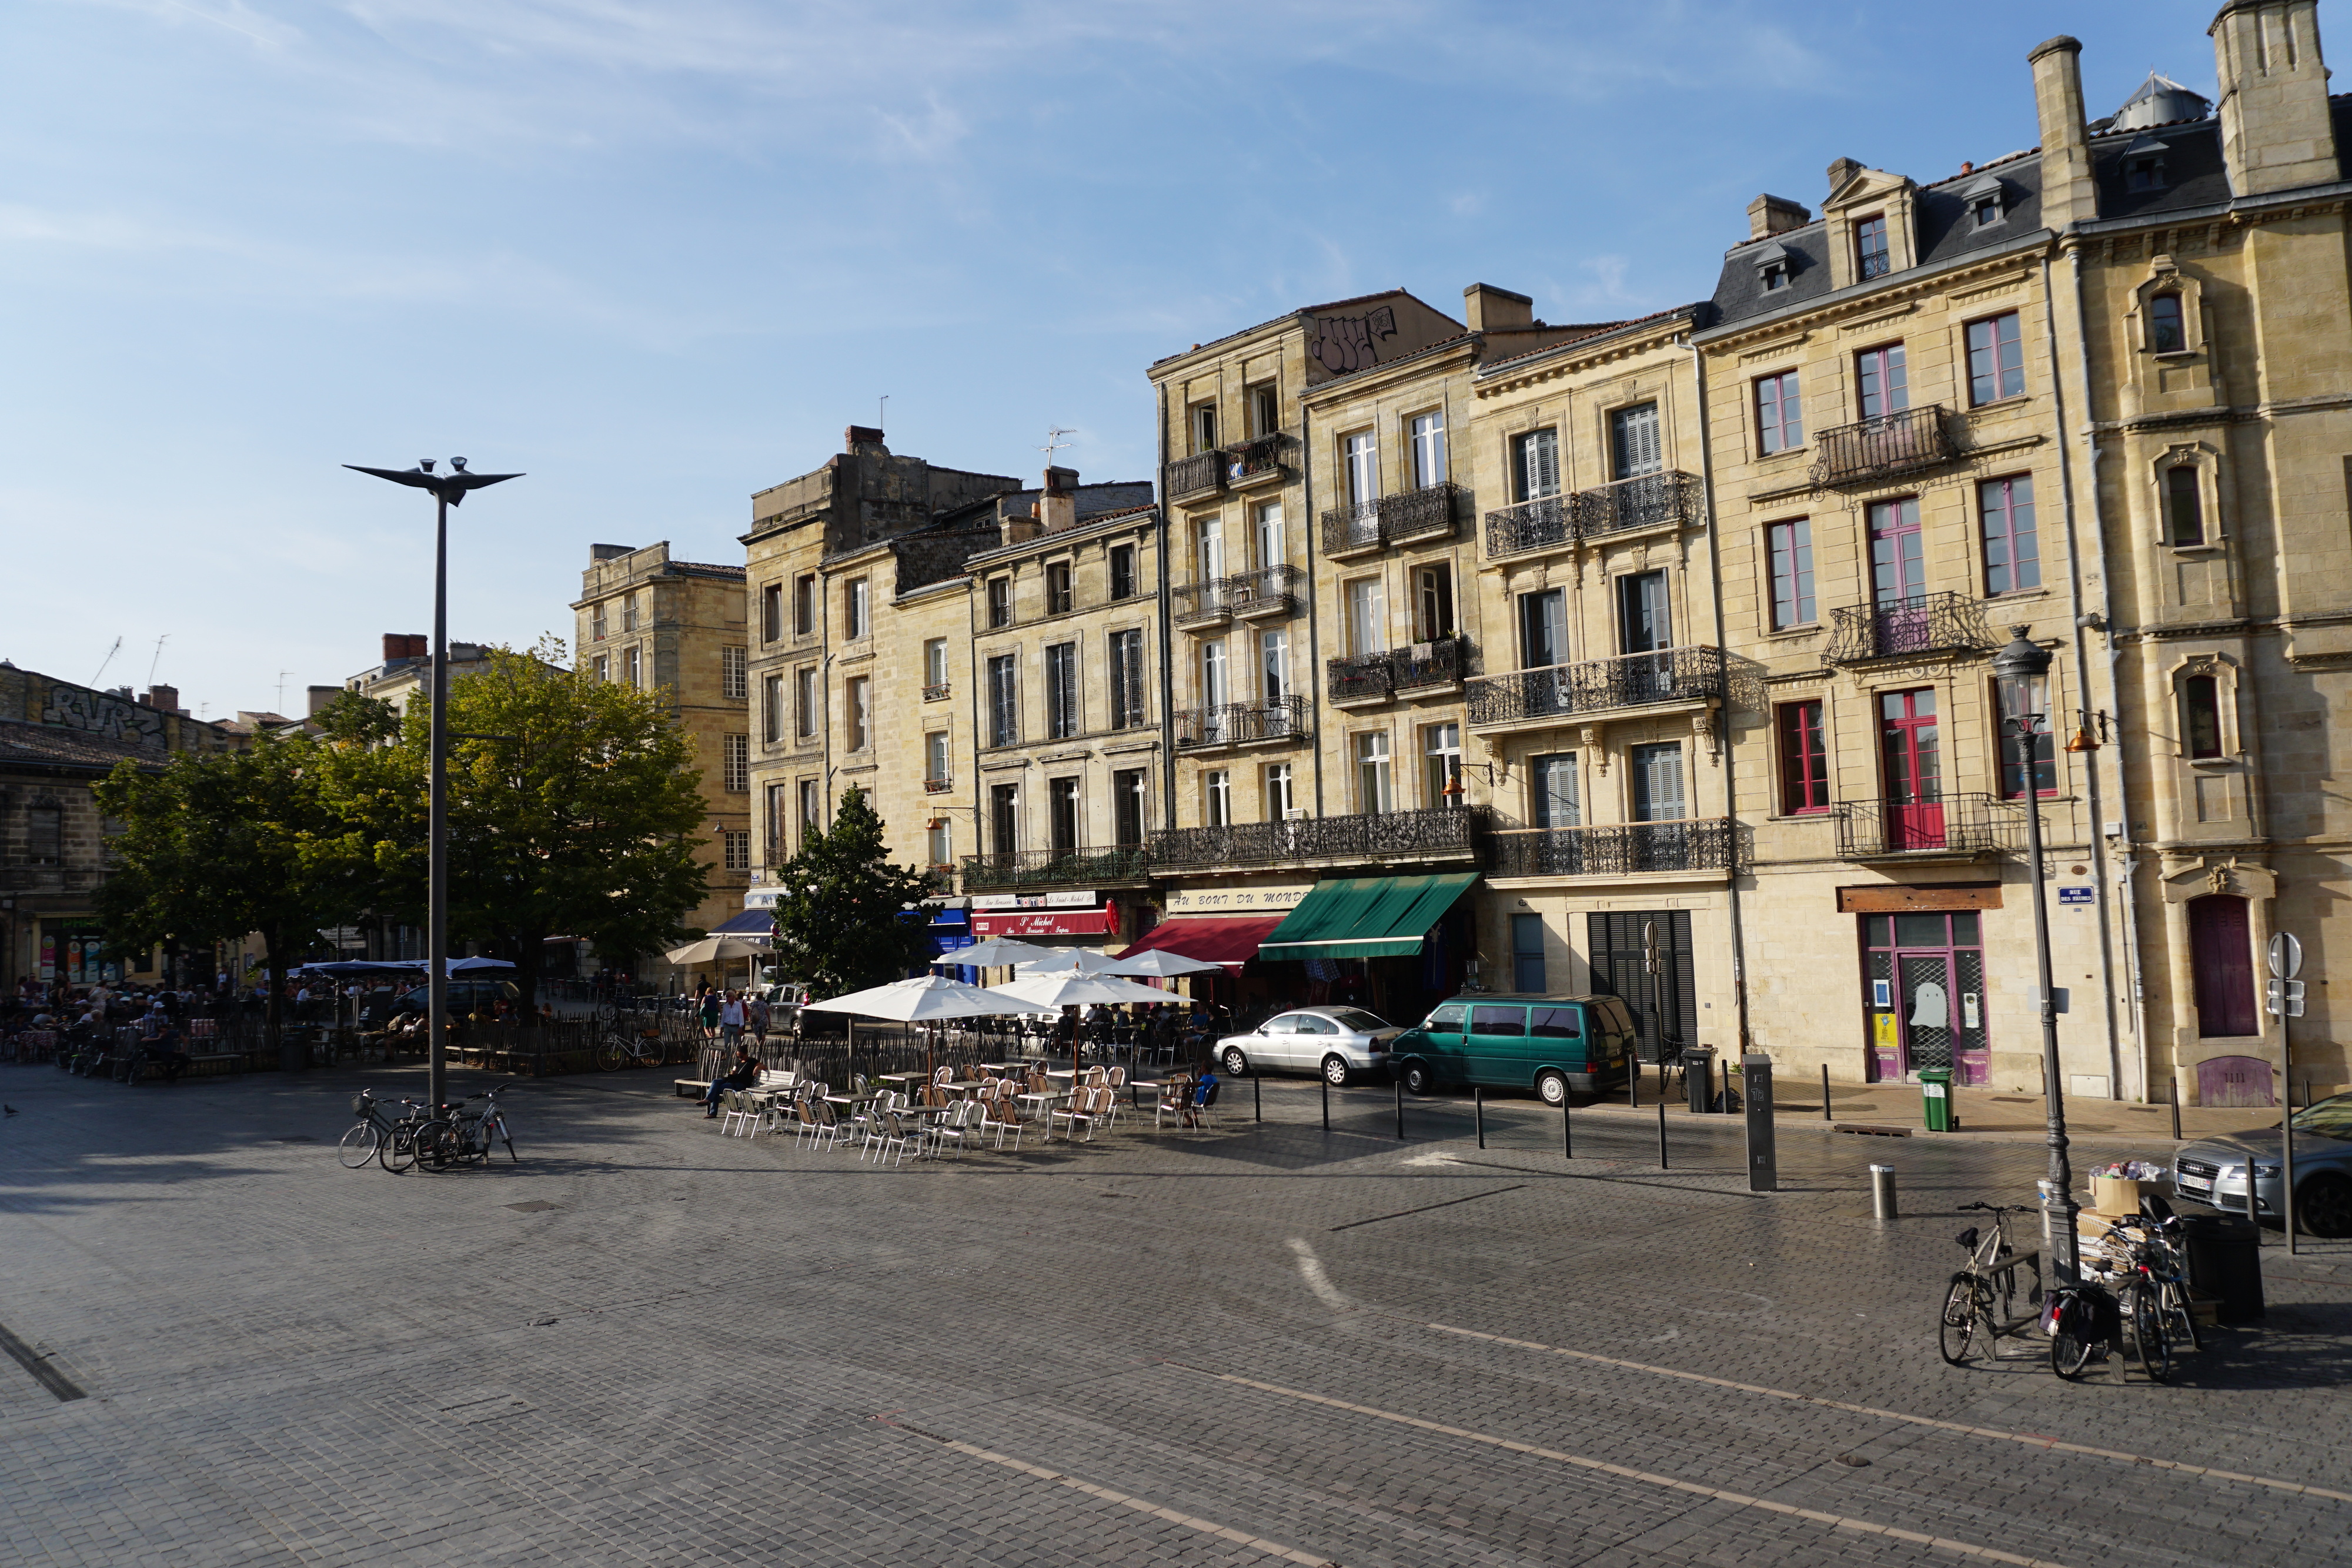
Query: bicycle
x=619, y=1051
x=459, y=1134
x=1980, y=1302
x=2152, y=1298
x=391, y=1144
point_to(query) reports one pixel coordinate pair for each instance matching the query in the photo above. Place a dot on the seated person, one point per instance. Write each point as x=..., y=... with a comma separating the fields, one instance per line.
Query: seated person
x=167, y=1052
x=741, y=1073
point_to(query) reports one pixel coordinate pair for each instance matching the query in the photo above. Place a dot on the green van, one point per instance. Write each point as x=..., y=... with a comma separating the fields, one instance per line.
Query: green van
x=1554, y=1045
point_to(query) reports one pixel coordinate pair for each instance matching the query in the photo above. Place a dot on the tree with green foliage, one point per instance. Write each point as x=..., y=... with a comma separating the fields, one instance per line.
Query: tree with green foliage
x=579, y=816
x=219, y=845
x=843, y=920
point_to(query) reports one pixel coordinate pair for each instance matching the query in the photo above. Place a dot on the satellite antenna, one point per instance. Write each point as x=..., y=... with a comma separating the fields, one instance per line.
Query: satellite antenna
x=108, y=660
x=1053, y=443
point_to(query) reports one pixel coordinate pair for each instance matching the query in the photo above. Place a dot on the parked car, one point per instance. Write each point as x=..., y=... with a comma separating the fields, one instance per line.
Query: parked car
x=2214, y=1171
x=1338, y=1042
x=465, y=996
x=1554, y=1045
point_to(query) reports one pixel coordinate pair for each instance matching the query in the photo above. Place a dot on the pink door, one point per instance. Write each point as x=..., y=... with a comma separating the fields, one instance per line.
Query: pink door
x=1912, y=749
x=2223, y=956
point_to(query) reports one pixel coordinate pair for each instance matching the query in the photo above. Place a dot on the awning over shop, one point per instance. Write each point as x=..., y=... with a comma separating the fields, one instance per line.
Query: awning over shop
x=1231, y=940
x=749, y=923
x=1366, y=917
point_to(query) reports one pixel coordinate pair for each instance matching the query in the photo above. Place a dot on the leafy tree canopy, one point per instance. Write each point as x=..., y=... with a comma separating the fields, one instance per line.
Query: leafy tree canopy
x=842, y=920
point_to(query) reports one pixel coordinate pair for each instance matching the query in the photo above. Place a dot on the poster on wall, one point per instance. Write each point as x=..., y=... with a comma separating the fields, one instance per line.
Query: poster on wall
x=48, y=958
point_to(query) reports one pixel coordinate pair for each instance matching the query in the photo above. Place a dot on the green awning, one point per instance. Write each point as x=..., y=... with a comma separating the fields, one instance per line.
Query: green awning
x=1366, y=917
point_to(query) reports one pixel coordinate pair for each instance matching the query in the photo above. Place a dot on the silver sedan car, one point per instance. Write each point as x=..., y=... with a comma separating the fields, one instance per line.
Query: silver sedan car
x=1338, y=1042
x=2218, y=1171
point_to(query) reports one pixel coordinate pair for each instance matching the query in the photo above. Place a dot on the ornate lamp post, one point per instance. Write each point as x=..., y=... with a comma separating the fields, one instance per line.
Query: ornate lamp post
x=2019, y=669
x=448, y=490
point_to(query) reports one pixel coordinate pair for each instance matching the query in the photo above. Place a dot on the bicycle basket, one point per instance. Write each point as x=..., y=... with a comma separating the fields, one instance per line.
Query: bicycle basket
x=361, y=1102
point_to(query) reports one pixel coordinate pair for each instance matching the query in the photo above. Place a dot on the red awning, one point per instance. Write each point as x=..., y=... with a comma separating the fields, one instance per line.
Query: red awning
x=1044, y=921
x=1228, y=940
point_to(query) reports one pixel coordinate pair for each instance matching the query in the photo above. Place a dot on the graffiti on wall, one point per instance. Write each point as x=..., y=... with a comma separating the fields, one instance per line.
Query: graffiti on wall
x=96, y=713
x=1345, y=343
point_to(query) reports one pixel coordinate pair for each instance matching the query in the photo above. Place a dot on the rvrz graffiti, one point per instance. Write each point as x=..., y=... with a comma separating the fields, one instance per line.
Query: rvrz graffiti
x=1345, y=343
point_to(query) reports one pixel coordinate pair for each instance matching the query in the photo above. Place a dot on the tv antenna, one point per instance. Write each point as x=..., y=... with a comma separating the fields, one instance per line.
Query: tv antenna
x=1054, y=442
x=882, y=413
x=281, y=691
x=108, y=660
x=157, y=661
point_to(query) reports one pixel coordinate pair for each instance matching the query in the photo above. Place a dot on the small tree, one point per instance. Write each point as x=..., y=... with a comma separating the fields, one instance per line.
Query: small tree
x=842, y=921
x=217, y=845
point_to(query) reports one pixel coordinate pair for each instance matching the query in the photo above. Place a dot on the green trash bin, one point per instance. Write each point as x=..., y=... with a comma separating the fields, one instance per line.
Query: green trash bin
x=1935, y=1098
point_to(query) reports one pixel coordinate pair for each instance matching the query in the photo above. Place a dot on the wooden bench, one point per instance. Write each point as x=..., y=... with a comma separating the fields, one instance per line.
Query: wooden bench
x=696, y=1088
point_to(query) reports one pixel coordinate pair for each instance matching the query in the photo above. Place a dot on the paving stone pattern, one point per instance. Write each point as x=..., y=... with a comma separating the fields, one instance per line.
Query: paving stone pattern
x=711, y=1350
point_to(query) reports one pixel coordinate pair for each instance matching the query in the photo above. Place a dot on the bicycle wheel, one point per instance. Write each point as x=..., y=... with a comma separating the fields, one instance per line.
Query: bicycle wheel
x=1967, y=1305
x=507, y=1138
x=2149, y=1347
x=358, y=1146
x=656, y=1053
x=397, y=1150
x=2180, y=1316
x=435, y=1145
x=2068, y=1355
x=614, y=1056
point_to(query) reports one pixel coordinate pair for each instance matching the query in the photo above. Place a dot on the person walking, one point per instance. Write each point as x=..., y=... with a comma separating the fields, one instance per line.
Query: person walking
x=709, y=1012
x=731, y=1019
x=755, y=1018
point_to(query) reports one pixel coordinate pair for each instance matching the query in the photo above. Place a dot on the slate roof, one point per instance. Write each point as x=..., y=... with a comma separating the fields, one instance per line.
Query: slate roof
x=49, y=745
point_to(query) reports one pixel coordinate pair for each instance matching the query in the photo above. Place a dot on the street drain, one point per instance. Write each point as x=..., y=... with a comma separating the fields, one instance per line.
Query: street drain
x=536, y=1205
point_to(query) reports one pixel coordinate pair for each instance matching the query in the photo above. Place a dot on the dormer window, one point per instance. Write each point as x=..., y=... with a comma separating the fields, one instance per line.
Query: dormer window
x=2144, y=164
x=1872, y=257
x=1987, y=202
x=1772, y=267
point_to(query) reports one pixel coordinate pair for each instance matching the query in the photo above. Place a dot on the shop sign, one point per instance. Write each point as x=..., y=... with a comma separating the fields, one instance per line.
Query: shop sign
x=1081, y=900
x=762, y=898
x=1896, y=898
x=1046, y=921
x=1279, y=898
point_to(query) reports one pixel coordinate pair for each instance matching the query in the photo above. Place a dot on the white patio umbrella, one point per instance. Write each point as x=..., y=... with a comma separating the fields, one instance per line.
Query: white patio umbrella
x=1159, y=962
x=714, y=950
x=923, y=1000
x=994, y=954
x=1070, y=961
x=1072, y=990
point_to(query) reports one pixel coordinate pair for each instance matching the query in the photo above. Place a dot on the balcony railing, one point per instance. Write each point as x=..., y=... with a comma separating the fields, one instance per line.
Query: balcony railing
x=1956, y=824
x=1371, y=839
x=938, y=693
x=1425, y=513
x=1363, y=677
x=1255, y=459
x=1707, y=843
x=1922, y=624
x=1269, y=591
x=1668, y=497
x=1632, y=680
x=1356, y=526
x=1417, y=666
x=1241, y=723
x=938, y=786
x=1886, y=447
x=1195, y=475
x=1055, y=868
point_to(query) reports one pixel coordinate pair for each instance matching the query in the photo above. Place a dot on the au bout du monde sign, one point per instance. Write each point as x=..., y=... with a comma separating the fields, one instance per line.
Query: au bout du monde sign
x=1280, y=899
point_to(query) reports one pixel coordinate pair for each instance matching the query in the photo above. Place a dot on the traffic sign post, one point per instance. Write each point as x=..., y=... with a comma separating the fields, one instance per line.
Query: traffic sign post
x=2284, y=1001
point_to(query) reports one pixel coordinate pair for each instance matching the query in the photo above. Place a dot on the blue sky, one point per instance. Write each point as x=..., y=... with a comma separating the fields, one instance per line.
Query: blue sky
x=657, y=253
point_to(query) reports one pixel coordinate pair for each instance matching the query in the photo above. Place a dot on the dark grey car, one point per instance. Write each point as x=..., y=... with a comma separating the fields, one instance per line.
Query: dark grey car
x=2217, y=1171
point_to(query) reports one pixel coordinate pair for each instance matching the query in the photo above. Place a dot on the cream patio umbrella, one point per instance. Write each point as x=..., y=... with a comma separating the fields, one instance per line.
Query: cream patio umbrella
x=996, y=953
x=1069, y=961
x=925, y=998
x=1067, y=990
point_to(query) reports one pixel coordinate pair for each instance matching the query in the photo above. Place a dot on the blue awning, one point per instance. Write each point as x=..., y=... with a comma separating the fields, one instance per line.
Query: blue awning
x=749, y=923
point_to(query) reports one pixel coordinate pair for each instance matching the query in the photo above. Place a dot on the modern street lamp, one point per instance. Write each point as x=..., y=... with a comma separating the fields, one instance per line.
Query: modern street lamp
x=448, y=490
x=2021, y=670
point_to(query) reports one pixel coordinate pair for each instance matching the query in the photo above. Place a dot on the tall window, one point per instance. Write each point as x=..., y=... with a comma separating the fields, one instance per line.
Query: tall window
x=2167, y=334
x=596, y=623
x=1363, y=461
x=604, y=667
x=1643, y=625
x=1551, y=791
x=1527, y=958
x=1205, y=426
x=938, y=843
x=633, y=662
x=1880, y=377
x=1122, y=572
x=804, y=605
x=1215, y=692
x=1000, y=602
x=735, y=848
x=1126, y=707
x=771, y=708
x=1779, y=420
x=772, y=613
x=1428, y=434
x=1062, y=813
x=1440, y=766
x=1004, y=700
x=734, y=680
x=935, y=664
x=779, y=825
x=1634, y=447
x=1899, y=564
x=1265, y=410
x=2200, y=714
x=1375, y=787
x=935, y=757
x=805, y=701
x=2013, y=555
x=1872, y=257
x=857, y=605
x=812, y=808
x=1004, y=818
x=1217, y=798
x=1804, y=758
x=1281, y=794
x=860, y=692
x=1535, y=466
x=1433, y=601
x=1273, y=546
x=1543, y=629
x=629, y=612
x=1209, y=548
x=1062, y=690
x=1127, y=802
x=2184, y=507
x=1367, y=617
x=1996, y=359
x=1059, y=598
x=1657, y=773
x=2045, y=742
x=1274, y=666
x=1789, y=546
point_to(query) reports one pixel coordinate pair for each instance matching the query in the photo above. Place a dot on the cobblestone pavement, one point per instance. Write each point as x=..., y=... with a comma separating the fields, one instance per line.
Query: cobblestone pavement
x=1265, y=1344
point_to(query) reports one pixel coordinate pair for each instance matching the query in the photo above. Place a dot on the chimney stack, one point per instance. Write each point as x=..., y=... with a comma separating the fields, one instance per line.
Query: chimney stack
x=1489, y=308
x=859, y=436
x=2068, y=196
x=2275, y=129
x=162, y=699
x=1841, y=171
x=320, y=696
x=609, y=552
x=1058, y=506
x=1769, y=214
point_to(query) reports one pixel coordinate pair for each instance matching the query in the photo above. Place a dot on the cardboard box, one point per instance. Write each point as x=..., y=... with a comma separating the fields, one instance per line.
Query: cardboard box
x=2120, y=1195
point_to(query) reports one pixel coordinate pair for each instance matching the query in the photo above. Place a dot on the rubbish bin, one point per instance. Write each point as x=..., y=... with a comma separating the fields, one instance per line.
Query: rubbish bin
x=2225, y=1263
x=1935, y=1098
x=1698, y=1077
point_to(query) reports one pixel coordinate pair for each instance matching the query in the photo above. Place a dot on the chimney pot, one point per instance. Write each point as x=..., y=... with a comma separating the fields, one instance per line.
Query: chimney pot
x=1841, y=171
x=1771, y=215
x=1489, y=308
x=859, y=436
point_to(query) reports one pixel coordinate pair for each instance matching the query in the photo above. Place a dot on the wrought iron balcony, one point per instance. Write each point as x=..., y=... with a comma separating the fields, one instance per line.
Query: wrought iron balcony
x=1909, y=441
x=1423, y=514
x=1963, y=824
x=1241, y=723
x=938, y=786
x=1267, y=592
x=1252, y=460
x=1367, y=677
x=1200, y=474
x=1531, y=525
x=1351, y=527
x=1418, y=667
x=1668, y=497
x=1907, y=628
x=1381, y=838
x=1055, y=868
x=1201, y=604
x=1631, y=679
x=1706, y=844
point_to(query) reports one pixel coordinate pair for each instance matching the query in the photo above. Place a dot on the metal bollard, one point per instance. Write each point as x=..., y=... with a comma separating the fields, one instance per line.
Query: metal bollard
x=1882, y=1193
x=1399, y=1100
x=1825, y=1091
x=1661, y=1134
x=1478, y=1112
x=1257, y=1098
x=1327, y=1101
x=1566, y=1140
x=2176, y=1107
x=1634, y=1084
